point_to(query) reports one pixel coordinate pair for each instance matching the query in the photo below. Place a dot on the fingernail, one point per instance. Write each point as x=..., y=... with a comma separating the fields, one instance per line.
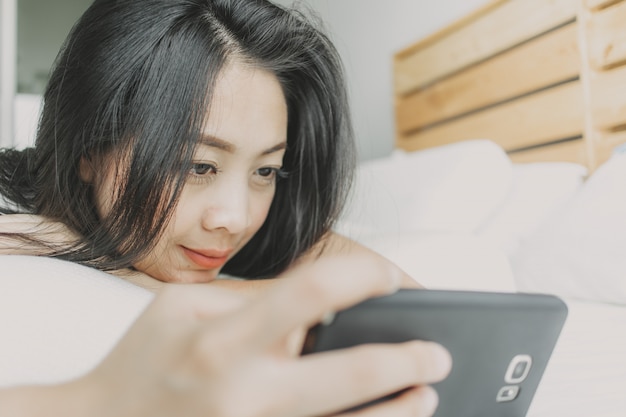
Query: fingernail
x=443, y=358
x=328, y=318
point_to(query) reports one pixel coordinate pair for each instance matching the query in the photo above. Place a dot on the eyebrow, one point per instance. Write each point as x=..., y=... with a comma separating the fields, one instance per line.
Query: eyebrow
x=221, y=144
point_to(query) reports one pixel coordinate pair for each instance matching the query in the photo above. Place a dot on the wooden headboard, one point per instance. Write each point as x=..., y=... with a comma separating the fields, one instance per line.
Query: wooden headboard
x=546, y=79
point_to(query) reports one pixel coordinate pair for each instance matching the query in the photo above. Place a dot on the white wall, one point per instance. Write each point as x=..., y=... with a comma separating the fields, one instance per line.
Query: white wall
x=8, y=35
x=367, y=34
x=42, y=28
x=31, y=33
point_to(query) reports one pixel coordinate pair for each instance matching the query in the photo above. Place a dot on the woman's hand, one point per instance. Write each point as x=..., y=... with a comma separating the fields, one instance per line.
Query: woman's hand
x=222, y=355
x=199, y=350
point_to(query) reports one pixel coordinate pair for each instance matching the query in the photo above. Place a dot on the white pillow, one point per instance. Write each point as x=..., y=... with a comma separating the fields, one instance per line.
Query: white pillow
x=538, y=190
x=452, y=188
x=580, y=252
x=447, y=261
x=59, y=319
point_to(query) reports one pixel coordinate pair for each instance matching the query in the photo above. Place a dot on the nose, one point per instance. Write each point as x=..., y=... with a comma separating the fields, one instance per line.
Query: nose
x=227, y=207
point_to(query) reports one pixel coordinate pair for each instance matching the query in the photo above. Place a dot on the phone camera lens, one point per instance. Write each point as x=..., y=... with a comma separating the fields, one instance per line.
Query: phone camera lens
x=518, y=369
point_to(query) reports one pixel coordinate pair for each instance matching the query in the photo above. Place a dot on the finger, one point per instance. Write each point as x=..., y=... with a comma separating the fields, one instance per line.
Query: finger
x=307, y=293
x=363, y=373
x=420, y=401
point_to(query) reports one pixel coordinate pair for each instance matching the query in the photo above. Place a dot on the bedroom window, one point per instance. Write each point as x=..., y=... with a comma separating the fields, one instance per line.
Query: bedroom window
x=31, y=34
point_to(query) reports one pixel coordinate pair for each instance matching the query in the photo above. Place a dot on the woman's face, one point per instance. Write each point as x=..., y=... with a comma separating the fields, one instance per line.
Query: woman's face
x=231, y=182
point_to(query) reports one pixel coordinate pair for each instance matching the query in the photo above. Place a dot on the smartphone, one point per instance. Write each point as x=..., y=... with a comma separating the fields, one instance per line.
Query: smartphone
x=500, y=343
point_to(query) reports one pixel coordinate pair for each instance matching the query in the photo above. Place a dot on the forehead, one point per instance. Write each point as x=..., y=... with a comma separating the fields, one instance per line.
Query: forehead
x=247, y=109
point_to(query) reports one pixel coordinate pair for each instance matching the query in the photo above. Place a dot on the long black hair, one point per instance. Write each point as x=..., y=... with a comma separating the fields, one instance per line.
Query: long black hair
x=135, y=77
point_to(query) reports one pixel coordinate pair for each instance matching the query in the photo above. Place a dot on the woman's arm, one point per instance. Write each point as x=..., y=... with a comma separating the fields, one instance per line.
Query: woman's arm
x=335, y=244
x=199, y=350
x=56, y=234
x=331, y=246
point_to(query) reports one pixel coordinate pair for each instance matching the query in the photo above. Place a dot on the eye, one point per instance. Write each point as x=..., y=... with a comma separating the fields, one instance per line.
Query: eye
x=202, y=173
x=202, y=169
x=267, y=172
x=269, y=175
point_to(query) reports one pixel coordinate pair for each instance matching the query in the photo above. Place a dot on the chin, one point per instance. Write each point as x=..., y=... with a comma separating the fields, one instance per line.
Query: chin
x=191, y=277
x=177, y=274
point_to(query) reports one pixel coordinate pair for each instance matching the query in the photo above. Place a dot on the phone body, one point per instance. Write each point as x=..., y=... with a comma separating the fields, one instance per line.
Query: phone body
x=500, y=343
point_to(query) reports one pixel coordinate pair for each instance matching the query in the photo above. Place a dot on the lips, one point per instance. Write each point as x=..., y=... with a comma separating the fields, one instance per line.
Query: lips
x=209, y=259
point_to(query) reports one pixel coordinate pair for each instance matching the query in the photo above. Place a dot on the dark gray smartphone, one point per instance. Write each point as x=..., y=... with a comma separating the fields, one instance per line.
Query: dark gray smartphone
x=500, y=342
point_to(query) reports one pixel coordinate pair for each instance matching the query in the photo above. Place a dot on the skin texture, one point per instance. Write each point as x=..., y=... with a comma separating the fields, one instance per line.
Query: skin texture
x=216, y=347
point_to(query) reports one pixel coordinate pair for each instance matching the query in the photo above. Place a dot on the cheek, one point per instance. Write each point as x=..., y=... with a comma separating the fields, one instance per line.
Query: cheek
x=259, y=208
x=104, y=201
x=105, y=192
x=161, y=263
x=185, y=218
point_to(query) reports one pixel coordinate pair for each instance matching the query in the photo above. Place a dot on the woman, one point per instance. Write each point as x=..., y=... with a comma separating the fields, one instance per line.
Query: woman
x=181, y=139
x=186, y=138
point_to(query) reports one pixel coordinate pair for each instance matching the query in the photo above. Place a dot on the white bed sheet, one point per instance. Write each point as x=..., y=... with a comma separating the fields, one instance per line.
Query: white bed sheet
x=586, y=376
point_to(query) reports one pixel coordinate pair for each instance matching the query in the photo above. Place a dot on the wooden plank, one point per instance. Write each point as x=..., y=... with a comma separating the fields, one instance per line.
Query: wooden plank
x=606, y=32
x=514, y=22
x=570, y=151
x=599, y=4
x=546, y=60
x=608, y=98
x=453, y=27
x=544, y=117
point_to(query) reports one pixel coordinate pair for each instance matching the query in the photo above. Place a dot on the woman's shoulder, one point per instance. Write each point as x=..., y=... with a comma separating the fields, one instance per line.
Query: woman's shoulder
x=17, y=221
x=34, y=229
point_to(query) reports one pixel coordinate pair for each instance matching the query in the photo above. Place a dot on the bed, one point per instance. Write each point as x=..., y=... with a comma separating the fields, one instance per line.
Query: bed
x=509, y=174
